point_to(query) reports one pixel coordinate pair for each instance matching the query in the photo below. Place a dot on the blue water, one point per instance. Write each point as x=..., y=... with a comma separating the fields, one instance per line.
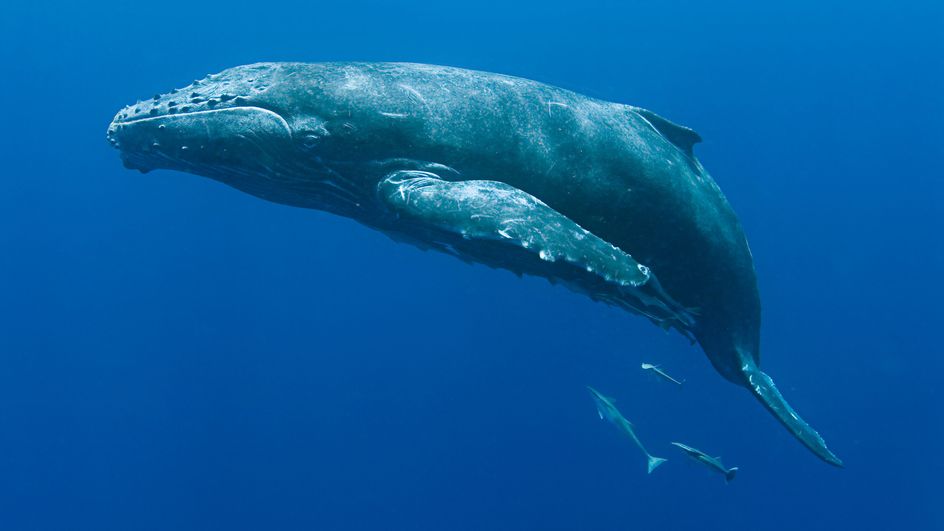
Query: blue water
x=175, y=354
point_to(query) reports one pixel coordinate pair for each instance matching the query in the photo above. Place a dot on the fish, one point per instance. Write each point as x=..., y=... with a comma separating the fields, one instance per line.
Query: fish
x=660, y=372
x=608, y=412
x=714, y=463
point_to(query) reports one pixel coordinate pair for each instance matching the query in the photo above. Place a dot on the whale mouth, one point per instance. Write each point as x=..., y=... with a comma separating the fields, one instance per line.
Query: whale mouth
x=213, y=115
x=232, y=139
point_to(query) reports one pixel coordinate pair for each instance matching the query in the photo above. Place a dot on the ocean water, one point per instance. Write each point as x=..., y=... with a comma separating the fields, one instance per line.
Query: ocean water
x=175, y=354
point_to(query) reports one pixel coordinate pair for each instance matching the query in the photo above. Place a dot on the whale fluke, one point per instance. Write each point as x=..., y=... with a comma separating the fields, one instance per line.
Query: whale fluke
x=762, y=386
x=654, y=462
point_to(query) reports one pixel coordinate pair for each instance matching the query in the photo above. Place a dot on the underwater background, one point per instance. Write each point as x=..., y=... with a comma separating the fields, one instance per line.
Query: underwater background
x=175, y=354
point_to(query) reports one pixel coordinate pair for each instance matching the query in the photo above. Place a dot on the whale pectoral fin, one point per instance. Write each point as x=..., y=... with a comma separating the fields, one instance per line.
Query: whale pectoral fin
x=492, y=210
x=491, y=218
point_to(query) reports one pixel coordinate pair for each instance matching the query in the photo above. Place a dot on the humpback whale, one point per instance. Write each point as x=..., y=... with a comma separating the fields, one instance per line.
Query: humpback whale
x=605, y=198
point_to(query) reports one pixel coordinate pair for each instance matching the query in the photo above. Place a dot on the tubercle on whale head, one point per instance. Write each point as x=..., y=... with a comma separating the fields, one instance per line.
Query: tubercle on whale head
x=235, y=87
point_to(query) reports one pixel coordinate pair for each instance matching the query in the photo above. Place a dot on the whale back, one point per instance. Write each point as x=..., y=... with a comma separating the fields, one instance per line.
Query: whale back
x=624, y=173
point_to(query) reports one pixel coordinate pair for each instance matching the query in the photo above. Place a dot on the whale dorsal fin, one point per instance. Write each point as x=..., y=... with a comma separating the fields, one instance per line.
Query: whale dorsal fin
x=683, y=137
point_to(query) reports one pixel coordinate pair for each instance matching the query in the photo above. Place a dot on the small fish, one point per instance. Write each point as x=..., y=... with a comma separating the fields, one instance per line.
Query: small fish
x=713, y=463
x=608, y=412
x=660, y=372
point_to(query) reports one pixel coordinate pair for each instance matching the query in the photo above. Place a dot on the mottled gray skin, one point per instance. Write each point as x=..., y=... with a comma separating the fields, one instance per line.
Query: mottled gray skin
x=603, y=197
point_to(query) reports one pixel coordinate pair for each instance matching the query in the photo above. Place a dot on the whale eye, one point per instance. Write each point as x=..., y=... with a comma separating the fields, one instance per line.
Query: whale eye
x=311, y=136
x=309, y=140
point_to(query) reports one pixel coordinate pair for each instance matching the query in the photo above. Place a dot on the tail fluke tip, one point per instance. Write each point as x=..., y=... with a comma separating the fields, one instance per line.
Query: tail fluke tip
x=654, y=462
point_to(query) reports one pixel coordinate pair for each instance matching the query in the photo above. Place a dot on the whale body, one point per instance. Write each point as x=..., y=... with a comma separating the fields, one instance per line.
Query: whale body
x=605, y=198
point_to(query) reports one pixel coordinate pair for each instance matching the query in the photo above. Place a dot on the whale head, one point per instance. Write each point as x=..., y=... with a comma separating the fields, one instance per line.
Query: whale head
x=260, y=128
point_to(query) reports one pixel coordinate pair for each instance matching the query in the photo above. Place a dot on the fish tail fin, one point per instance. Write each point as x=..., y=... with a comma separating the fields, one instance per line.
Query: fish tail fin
x=654, y=462
x=729, y=475
x=762, y=386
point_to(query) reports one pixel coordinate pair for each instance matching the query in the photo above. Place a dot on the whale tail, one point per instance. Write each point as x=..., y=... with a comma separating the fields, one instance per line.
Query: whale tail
x=762, y=386
x=654, y=462
x=729, y=475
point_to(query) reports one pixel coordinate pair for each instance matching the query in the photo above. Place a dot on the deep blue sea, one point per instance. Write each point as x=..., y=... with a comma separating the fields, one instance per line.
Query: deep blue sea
x=177, y=355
